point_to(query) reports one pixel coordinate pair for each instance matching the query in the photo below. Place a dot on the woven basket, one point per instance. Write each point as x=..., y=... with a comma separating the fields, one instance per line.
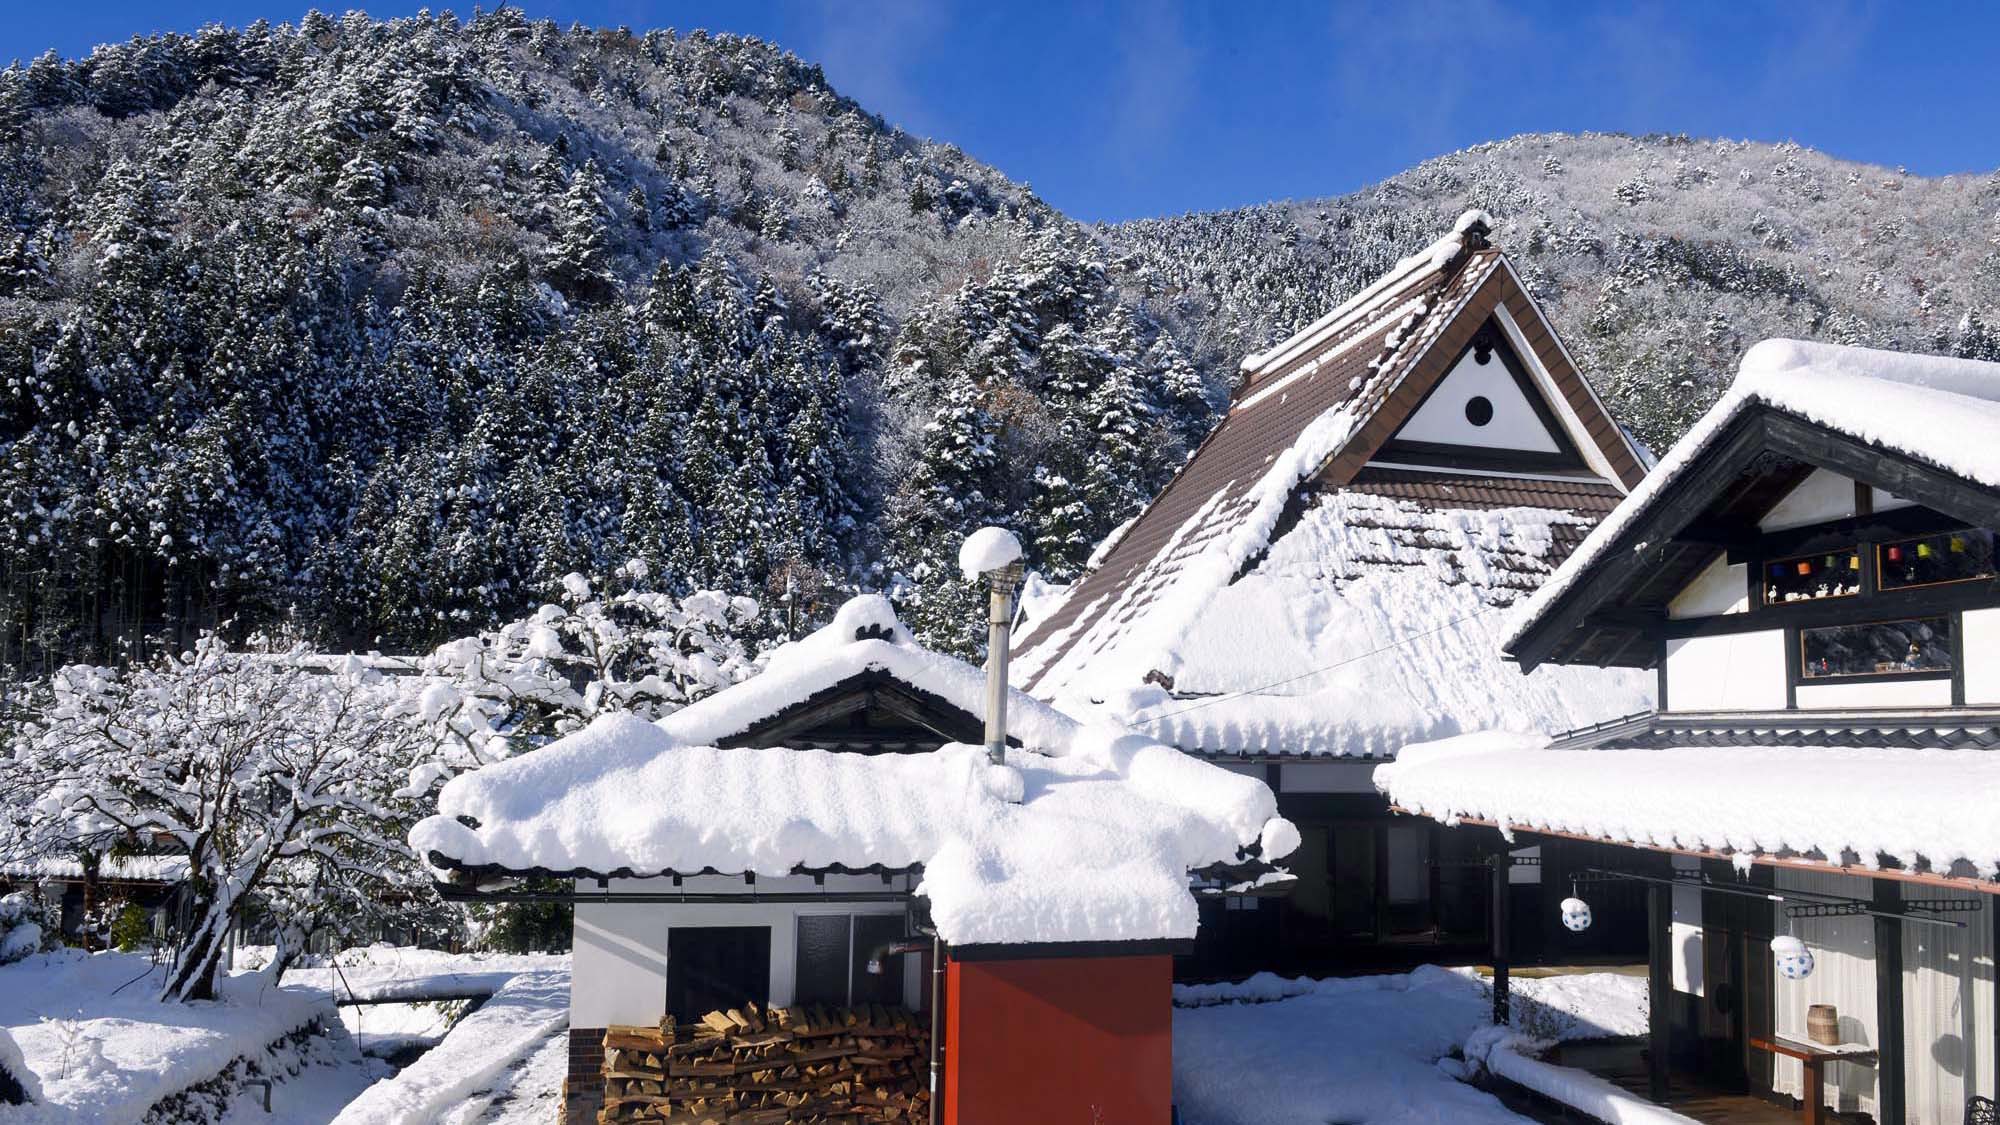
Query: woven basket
x=1823, y=1024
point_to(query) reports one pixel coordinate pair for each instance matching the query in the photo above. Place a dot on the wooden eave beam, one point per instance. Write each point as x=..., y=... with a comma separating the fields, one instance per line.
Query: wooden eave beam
x=1623, y=565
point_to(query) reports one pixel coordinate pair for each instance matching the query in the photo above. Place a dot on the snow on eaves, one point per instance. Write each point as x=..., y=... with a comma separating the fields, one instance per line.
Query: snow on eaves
x=865, y=636
x=1372, y=623
x=1088, y=833
x=1943, y=411
x=1923, y=808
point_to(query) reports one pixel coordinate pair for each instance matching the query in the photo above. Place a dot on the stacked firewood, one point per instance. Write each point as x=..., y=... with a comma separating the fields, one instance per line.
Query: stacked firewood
x=867, y=1063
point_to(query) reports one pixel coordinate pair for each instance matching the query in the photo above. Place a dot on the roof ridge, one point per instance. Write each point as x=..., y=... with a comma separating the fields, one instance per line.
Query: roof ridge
x=1470, y=232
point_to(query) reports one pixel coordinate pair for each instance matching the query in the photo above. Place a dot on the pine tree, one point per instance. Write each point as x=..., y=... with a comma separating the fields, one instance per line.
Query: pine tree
x=579, y=259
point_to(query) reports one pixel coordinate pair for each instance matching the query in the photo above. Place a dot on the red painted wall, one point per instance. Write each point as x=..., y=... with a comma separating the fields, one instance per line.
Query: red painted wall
x=1060, y=1041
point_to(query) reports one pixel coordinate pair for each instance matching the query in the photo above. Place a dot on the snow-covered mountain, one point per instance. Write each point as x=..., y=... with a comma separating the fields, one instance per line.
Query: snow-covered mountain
x=1660, y=258
x=381, y=327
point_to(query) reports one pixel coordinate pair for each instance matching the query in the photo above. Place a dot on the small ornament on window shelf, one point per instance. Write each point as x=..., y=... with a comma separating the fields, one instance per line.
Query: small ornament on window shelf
x=1576, y=914
x=1795, y=961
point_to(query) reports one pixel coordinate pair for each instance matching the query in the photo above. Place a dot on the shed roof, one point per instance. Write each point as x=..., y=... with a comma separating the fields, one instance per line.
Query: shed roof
x=1925, y=809
x=1087, y=834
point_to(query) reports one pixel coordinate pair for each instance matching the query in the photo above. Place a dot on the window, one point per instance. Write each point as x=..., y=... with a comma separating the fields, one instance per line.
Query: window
x=1920, y=646
x=823, y=958
x=1930, y=560
x=1828, y=574
x=832, y=965
x=711, y=967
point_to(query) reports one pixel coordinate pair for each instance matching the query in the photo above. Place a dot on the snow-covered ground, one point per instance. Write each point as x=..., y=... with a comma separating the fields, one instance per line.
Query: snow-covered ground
x=478, y=1062
x=1269, y=1051
x=105, y=1048
x=1272, y=1051
x=394, y=972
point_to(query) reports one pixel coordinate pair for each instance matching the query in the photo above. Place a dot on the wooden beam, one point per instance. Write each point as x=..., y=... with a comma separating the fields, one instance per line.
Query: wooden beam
x=1887, y=469
x=1660, y=987
x=1889, y=1074
x=1723, y=535
x=1677, y=505
x=1502, y=891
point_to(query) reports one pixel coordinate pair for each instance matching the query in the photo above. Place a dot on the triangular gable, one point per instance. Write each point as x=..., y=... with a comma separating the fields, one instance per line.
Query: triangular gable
x=1486, y=412
x=869, y=713
x=1500, y=312
x=1606, y=603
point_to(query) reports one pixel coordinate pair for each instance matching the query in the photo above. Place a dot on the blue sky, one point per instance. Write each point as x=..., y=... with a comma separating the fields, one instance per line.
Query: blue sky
x=1123, y=110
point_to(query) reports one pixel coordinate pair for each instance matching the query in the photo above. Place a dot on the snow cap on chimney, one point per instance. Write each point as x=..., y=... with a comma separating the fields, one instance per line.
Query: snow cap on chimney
x=986, y=550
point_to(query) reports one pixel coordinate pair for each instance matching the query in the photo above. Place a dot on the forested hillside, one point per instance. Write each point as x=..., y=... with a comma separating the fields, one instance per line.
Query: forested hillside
x=377, y=329
x=1659, y=258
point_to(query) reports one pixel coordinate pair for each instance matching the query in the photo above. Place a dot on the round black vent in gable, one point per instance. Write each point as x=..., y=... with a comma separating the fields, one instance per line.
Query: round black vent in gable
x=1479, y=410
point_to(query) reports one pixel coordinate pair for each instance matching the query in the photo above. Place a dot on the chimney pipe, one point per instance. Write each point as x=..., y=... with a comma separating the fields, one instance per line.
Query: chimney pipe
x=995, y=553
x=999, y=635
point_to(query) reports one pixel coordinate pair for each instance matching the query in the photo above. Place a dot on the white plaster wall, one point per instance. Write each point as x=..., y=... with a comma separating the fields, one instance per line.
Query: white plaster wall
x=1982, y=655
x=619, y=968
x=1513, y=425
x=1883, y=501
x=1820, y=497
x=1247, y=769
x=1719, y=589
x=1730, y=672
x=1327, y=777
x=1889, y=693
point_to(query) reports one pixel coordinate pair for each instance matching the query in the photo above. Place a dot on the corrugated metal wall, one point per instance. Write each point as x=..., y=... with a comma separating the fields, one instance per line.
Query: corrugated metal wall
x=1948, y=1010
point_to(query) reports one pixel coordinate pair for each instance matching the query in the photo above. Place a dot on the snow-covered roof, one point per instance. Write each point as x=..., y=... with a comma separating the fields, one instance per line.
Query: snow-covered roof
x=1377, y=618
x=1239, y=574
x=1924, y=809
x=1941, y=411
x=1088, y=832
x=864, y=636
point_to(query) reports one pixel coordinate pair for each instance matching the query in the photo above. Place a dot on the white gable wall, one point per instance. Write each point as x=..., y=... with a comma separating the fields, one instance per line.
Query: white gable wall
x=1443, y=418
x=1884, y=693
x=1728, y=672
x=1982, y=655
x=1719, y=589
x=1572, y=424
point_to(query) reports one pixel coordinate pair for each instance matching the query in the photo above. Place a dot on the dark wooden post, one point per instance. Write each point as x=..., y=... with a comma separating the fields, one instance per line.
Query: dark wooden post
x=1659, y=988
x=1500, y=861
x=1888, y=1006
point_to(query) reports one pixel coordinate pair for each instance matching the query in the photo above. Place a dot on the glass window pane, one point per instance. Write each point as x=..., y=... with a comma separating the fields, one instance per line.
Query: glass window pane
x=822, y=960
x=1918, y=646
x=1949, y=556
x=870, y=932
x=1808, y=578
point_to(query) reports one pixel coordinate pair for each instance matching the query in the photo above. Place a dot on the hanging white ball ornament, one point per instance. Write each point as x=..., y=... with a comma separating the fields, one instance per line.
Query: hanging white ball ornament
x=1795, y=961
x=1576, y=914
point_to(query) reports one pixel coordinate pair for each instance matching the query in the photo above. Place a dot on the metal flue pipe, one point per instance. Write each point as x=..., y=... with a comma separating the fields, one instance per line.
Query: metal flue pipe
x=999, y=637
x=995, y=553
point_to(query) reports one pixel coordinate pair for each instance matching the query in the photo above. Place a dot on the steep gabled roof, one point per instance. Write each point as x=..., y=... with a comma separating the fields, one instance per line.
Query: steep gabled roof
x=1309, y=416
x=1923, y=428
